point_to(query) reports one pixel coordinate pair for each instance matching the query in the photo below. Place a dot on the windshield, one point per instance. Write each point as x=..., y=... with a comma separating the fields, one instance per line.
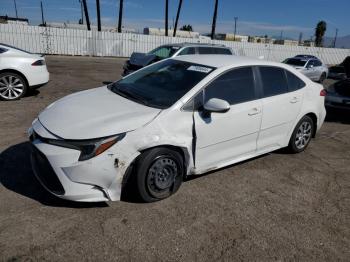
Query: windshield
x=162, y=84
x=295, y=62
x=164, y=51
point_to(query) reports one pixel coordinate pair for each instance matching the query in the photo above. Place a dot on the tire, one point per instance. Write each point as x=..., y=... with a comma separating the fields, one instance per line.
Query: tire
x=322, y=78
x=12, y=86
x=301, y=135
x=159, y=174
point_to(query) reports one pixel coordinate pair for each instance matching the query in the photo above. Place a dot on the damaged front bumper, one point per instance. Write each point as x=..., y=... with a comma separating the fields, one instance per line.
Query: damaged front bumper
x=62, y=174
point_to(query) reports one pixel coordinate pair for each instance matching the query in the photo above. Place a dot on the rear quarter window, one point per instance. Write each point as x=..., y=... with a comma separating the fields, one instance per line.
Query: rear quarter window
x=294, y=82
x=223, y=51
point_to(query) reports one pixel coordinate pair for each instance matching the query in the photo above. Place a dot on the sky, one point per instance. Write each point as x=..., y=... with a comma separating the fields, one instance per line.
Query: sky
x=255, y=17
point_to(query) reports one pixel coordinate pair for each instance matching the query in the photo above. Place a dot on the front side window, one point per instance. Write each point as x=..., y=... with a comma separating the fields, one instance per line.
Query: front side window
x=235, y=86
x=162, y=84
x=317, y=63
x=205, y=50
x=223, y=51
x=164, y=51
x=294, y=82
x=274, y=81
x=188, y=51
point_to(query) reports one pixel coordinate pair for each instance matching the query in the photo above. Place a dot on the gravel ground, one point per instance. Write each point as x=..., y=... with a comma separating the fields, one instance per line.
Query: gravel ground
x=275, y=207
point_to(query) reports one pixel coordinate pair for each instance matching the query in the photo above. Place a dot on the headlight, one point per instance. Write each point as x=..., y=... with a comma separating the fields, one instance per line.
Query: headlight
x=88, y=148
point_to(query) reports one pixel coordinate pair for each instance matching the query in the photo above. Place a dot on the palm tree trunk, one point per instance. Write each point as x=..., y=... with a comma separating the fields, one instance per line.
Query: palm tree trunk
x=166, y=17
x=98, y=15
x=120, y=16
x=214, y=20
x=177, y=17
x=86, y=15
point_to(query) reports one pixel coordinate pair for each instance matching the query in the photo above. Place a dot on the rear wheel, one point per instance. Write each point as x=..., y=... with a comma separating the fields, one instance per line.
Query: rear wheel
x=12, y=86
x=301, y=136
x=159, y=174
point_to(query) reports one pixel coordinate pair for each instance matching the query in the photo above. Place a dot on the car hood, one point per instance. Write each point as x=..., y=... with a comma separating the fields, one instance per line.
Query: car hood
x=94, y=113
x=141, y=59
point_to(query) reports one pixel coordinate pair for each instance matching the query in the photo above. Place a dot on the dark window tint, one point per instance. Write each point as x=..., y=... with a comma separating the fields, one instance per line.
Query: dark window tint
x=188, y=51
x=294, y=82
x=235, y=86
x=317, y=63
x=274, y=81
x=205, y=50
x=222, y=51
x=310, y=63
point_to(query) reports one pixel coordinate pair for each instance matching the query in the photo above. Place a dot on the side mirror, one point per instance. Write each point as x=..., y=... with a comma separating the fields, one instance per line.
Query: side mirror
x=310, y=66
x=216, y=105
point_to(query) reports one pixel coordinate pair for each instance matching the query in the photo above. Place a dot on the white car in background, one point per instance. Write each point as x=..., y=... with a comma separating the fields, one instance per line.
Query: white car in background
x=175, y=118
x=310, y=66
x=20, y=71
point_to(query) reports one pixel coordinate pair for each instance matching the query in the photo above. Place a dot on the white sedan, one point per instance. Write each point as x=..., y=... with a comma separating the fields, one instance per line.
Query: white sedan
x=179, y=117
x=20, y=71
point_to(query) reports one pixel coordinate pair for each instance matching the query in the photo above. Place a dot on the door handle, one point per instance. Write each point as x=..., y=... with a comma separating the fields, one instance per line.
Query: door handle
x=254, y=111
x=294, y=100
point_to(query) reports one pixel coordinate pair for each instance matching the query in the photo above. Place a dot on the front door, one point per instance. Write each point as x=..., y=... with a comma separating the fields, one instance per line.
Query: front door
x=224, y=137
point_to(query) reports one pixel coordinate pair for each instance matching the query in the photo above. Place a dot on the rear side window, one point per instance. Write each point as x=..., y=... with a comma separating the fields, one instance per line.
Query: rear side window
x=294, y=82
x=274, y=81
x=223, y=51
x=235, y=86
x=3, y=50
x=188, y=51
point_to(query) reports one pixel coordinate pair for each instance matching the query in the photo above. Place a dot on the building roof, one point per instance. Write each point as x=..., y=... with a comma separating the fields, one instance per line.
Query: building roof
x=9, y=18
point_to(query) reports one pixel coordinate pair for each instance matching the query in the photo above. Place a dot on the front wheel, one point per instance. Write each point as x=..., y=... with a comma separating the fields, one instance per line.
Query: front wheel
x=301, y=136
x=159, y=174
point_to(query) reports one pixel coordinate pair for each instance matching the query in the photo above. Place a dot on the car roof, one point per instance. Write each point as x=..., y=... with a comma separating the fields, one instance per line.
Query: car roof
x=225, y=60
x=195, y=44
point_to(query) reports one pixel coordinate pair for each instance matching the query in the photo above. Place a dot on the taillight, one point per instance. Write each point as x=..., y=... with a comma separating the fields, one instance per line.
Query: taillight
x=38, y=63
x=323, y=92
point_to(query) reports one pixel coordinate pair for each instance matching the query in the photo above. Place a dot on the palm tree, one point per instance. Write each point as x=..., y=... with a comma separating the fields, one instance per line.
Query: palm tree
x=186, y=28
x=120, y=16
x=177, y=16
x=319, y=32
x=214, y=20
x=166, y=16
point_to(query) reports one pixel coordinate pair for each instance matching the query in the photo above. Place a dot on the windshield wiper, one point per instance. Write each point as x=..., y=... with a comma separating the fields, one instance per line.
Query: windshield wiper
x=125, y=93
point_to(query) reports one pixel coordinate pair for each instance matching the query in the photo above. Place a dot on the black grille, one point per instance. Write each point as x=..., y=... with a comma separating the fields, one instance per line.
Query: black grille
x=45, y=173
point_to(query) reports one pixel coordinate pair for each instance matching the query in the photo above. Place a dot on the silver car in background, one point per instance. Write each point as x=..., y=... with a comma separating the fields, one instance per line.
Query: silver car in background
x=310, y=66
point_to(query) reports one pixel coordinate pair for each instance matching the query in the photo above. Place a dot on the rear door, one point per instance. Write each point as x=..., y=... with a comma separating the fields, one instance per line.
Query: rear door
x=281, y=105
x=222, y=137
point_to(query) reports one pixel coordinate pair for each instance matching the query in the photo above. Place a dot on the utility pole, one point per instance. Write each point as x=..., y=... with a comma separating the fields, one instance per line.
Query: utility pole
x=281, y=36
x=300, y=38
x=234, y=34
x=177, y=17
x=214, y=20
x=335, y=37
x=15, y=8
x=42, y=14
x=98, y=15
x=86, y=15
x=166, y=16
x=120, y=16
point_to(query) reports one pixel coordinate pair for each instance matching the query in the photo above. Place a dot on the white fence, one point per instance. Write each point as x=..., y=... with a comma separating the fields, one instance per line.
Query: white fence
x=60, y=41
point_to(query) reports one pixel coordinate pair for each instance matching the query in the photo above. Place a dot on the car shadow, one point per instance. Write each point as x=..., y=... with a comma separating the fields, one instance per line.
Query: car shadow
x=16, y=175
x=338, y=116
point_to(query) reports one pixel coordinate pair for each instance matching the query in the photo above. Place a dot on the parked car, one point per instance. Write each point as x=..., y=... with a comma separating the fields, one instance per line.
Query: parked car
x=20, y=71
x=339, y=71
x=139, y=60
x=306, y=56
x=179, y=117
x=338, y=95
x=313, y=68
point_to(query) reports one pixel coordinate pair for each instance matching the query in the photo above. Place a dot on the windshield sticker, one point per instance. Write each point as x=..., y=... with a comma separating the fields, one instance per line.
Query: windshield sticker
x=201, y=69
